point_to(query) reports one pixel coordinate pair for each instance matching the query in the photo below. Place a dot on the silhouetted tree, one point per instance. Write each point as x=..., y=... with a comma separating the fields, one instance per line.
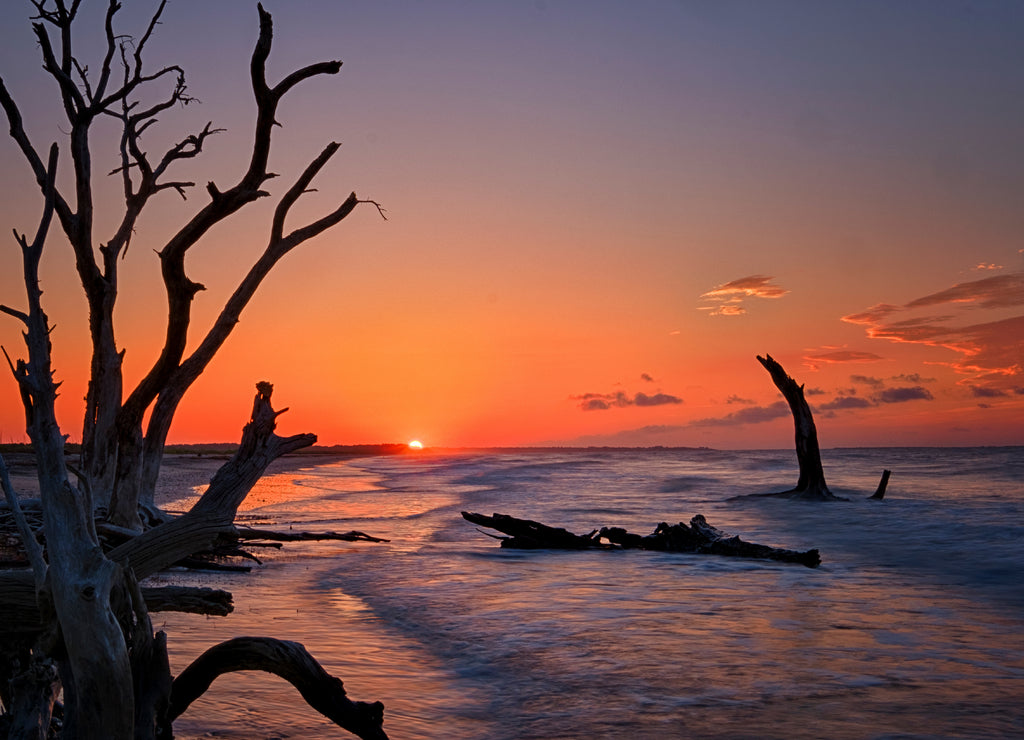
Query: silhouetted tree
x=78, y=621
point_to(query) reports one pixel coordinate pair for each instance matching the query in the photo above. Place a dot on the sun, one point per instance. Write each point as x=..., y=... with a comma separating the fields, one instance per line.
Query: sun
x=415, y=445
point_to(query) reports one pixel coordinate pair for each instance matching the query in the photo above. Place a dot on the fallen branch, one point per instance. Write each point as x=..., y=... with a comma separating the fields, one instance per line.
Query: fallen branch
x=699, y=537
x=292, y=662
x=20, y=608
x=248, y=533
x=194, y=600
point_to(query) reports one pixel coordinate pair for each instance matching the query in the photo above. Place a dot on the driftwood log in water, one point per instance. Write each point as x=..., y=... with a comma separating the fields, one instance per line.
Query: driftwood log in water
x=698, y=537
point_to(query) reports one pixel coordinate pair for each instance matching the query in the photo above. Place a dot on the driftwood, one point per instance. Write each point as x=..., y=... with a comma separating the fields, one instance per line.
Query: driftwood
x=810, y=485
x=879, y=493
x=699, y=537
x=27, y=615
x=290, y=661
x=248, y=533
x=20, y=609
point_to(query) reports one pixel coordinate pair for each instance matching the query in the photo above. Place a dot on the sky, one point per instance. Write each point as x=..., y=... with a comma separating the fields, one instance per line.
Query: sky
x=598, y=215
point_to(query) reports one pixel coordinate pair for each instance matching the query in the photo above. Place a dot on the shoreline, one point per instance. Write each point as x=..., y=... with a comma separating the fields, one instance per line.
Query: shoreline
x=180, y=472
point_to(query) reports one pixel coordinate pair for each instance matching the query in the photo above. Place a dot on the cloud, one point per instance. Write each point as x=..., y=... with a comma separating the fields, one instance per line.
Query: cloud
x=729, y=309
x=737, y=399
x=915, y=378
x=901, y=395
x=835, y=356
x=987, y=266
x=750, y=415
x=728, y=296
x=874, y=315
x=867, y=380
x=646, y=378
x=998, y=291
x=658, y=399
x=980, y=391
x=990, y=351
x=605, y=401
x=845, y=402
x=654, y=434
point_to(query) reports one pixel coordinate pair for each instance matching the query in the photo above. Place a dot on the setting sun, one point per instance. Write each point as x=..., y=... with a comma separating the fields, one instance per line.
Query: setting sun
x=415, y=445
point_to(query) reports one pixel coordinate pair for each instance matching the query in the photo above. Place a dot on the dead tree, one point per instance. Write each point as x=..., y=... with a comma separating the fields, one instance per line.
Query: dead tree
x=811, y=483
x=121, y=460
x=87, y=631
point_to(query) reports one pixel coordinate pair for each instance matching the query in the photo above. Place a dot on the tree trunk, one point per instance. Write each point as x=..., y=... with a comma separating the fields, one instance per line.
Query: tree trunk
x=214, y=513
x=811, y=483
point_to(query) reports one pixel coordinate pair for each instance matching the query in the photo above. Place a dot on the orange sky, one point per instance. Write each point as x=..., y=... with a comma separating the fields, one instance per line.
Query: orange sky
x=598, y=214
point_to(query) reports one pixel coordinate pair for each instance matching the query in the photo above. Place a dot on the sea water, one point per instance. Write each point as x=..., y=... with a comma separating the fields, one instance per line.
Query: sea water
x=912, y=627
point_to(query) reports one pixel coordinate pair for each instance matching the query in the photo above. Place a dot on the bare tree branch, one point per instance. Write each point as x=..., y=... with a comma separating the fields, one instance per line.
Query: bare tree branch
x=105, y=68
x=292, y=662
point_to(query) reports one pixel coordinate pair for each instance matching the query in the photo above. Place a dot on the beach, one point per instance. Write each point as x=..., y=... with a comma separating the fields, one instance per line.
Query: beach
x=911, y=626
x=180, y=474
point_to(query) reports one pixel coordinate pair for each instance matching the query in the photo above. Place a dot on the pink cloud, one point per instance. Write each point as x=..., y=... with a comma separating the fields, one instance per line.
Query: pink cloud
x=998, y=291
x=728, y=309
x=990, y=352
x=730, y=295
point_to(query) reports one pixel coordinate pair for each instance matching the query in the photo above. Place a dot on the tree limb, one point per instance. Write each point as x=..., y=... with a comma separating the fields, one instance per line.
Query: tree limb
x=292, y=662
x=215, y=511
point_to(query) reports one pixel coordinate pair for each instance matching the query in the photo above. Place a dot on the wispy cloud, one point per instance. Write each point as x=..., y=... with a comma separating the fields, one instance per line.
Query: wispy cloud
x=990, y=352
x=833, y=356
x=727, y=298
x=998, y=291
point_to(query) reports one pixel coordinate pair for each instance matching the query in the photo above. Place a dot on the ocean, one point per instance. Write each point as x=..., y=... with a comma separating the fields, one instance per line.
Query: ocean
x=912, y=627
